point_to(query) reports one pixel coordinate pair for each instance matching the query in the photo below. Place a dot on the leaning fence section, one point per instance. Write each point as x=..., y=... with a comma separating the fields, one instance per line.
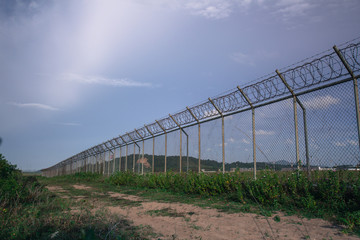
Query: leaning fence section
x=302, y=117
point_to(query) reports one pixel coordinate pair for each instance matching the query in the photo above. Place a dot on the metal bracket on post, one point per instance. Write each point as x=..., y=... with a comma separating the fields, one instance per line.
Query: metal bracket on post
x=187, y=145
x=165, y=142
x=356, y=90
x=153, y=154
x=142, y=161
x=126, y=153
x=134, y=158
x=296, y=100
x=199, y=136
x=253, y=127
x=223, y=134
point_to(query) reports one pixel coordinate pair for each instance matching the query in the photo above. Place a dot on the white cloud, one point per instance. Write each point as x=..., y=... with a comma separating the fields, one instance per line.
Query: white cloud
x=242, y=58
x=321, y=102
x=293, y=8
x=289, y=141
x=220, y=145
x=211, y=113
x=340, y=144
x=245, y=141
x=229, y=117
x=215, y=9
x=343, y=144
x=124, y=82
x=352, y=142
x=34, y=105
x=231, y=140
x=264, y=132
x=253, y=58
x=245, y=3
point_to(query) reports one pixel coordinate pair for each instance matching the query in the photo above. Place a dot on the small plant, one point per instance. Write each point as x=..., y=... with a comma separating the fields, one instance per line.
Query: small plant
x=277, y=218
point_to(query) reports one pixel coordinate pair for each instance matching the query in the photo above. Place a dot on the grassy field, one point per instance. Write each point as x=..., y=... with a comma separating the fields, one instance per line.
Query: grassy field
x=28, y=210
x=330, y=195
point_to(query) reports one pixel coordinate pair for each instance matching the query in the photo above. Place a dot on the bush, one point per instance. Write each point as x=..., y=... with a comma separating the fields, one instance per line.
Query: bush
x=10, y=185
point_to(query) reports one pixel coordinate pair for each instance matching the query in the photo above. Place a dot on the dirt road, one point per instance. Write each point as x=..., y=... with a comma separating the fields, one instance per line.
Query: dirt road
x=172, y=220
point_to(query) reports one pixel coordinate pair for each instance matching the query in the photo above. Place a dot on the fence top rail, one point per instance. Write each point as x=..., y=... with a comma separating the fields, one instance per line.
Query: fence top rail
x=312, y=73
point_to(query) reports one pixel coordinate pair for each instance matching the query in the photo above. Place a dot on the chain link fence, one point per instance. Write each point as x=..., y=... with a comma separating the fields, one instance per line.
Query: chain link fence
x=303, y=117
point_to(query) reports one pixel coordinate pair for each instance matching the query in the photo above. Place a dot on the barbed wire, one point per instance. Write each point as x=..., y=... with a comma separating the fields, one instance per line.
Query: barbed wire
x=321, y=69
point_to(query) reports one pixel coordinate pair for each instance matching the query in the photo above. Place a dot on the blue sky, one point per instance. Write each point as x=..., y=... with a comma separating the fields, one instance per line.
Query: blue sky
x=76, y=73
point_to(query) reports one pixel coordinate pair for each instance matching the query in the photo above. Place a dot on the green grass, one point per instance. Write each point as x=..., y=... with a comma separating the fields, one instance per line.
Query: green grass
x=29, y=211
x=333, y=196
x=165, y=212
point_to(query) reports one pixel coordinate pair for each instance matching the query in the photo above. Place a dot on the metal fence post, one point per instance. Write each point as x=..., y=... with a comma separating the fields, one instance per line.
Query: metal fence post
x=104, y=158
x=295, y=118
x=356, y=90
x=126, y=158
x=187, y=144
x=114, y=156
x=134, y=158
x=142, y=162
x=98, y=159
x=108, y=165
x=223, y=134
x=119, y=159
x=153, y=153
x=126, y=153
x=199, y=135
x=119, y=167
x=165, y=142
x=253, y=128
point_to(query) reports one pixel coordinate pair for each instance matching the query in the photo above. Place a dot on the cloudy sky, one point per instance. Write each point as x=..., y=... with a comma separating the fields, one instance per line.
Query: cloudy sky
x=76, y=73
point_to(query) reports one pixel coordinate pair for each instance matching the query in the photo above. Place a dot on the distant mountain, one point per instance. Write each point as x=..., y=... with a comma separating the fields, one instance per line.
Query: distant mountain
x=283, y=162
x=173, y=164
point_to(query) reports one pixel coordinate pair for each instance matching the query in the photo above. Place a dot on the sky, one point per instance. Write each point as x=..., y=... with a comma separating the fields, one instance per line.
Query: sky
x=76, y=73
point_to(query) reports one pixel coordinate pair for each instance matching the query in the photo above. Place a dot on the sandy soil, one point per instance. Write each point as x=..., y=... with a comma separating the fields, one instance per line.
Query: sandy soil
x=55, y=189
x=212, y=224
x=81, y=187
x=186, y=221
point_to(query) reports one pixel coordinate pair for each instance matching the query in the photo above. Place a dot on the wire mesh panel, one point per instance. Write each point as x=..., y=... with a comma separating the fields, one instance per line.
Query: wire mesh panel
x=275, y=135
x=211, y=146
x=191, y=149
x=147, y=161
x=239, y=142
x=332, y=127
x=159, y=160
x=123, y=163
x=173, y=151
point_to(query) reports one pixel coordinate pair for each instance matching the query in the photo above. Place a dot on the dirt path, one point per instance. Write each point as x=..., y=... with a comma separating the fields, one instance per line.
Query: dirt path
x=186, y=221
